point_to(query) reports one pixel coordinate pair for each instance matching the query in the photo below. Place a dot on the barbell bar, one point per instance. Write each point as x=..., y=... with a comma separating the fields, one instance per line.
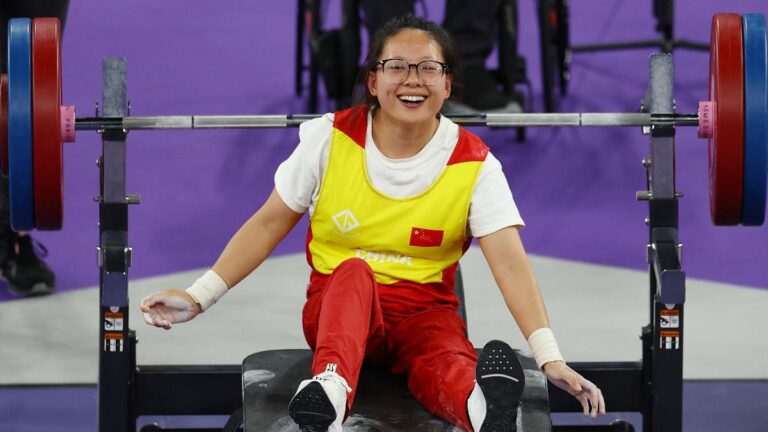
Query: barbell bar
x=289, y=120
x=734, y=120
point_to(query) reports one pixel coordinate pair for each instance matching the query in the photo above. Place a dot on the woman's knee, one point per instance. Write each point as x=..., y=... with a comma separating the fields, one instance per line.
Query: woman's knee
x=354, y=265
x=353, y=274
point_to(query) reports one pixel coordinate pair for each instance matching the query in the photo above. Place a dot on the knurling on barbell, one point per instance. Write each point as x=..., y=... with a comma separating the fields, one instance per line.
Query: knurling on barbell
x=734, y=120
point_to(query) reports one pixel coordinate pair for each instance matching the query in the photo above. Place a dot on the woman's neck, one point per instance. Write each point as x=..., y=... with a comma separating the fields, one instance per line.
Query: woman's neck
x=396, y=140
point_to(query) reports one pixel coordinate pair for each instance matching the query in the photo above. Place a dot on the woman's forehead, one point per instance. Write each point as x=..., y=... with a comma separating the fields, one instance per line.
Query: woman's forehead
x=412, y=44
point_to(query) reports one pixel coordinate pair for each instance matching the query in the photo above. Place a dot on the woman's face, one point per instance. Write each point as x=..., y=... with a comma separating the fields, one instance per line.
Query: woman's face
x=411, y=101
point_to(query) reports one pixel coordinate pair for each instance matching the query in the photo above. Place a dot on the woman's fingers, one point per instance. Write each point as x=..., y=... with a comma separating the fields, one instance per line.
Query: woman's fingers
x=594, y=400
x=582, y=398
x=152, y=307
x=150, y=301
x=600, y=403
x=148, y=318
x=573, y=383
x=587, y=393
x=156, y=319
x=594, y=397
x=165, y=308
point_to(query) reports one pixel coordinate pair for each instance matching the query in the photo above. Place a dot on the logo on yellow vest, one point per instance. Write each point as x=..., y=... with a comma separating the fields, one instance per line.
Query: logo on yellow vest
x=346, y=221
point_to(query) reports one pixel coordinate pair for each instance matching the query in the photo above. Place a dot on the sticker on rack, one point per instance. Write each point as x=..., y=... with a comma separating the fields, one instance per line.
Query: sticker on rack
x=669, y=339
x=670, y=318
x=113, y=342
x=113, y=321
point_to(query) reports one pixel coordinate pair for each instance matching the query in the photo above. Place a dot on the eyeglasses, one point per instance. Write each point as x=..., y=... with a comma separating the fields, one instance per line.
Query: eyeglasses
x=396, y=71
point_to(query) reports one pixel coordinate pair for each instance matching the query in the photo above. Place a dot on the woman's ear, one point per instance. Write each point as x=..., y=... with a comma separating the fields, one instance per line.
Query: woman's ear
x=371, y=83
x=448, y=84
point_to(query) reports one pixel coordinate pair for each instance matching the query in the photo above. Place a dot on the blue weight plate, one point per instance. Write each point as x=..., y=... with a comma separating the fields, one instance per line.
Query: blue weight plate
x=20, y=124
x=755, y=119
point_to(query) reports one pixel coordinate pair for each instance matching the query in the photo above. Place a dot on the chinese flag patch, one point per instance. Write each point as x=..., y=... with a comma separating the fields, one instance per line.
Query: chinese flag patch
x=426, y=237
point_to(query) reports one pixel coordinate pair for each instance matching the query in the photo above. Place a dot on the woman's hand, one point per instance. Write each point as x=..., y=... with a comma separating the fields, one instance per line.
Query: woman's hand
x=165, y=308
x=561, y=375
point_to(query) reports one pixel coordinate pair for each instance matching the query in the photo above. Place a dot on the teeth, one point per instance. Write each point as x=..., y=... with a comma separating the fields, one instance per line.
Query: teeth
x=412, y=98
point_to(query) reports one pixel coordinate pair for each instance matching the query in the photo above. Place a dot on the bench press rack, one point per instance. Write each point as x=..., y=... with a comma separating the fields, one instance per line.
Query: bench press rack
x=126, y=391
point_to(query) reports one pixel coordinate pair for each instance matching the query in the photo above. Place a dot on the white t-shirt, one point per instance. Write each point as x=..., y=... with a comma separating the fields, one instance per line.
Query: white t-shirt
x=297, y=179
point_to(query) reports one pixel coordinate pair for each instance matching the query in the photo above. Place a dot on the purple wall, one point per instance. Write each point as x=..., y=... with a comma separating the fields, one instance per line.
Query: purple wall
x=575, y=187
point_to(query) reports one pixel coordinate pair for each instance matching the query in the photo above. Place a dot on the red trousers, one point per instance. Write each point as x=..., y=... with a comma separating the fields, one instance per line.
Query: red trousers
x=345, y=324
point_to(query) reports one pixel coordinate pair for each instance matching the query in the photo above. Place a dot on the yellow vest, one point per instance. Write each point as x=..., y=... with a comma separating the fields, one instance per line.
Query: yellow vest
x=417, y=238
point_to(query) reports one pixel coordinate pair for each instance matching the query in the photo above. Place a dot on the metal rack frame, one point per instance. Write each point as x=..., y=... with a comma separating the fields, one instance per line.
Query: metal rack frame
x=127, y=391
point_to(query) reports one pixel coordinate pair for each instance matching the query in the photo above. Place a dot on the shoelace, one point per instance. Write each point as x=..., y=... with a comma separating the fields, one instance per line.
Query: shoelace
x=334, y=378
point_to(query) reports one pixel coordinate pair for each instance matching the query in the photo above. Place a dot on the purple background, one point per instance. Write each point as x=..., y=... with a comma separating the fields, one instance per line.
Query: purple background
x=574, y=187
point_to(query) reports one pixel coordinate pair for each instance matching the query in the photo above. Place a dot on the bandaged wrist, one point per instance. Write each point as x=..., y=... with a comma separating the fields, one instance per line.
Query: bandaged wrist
x=208, y=289
x=544, y=347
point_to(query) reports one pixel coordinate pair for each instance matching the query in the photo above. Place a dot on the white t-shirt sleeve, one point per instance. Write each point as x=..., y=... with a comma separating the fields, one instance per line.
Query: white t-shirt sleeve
x=297, y=179
x=492, y=207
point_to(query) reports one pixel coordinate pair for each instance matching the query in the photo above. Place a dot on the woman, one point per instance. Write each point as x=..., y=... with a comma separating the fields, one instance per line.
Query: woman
x=395, y=192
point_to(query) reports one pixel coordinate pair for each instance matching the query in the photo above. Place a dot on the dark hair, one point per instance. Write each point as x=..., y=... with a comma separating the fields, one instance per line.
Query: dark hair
x=391, y=29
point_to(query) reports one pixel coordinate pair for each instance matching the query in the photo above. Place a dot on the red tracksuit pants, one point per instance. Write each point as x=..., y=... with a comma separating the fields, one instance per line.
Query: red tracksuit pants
x=345, y=324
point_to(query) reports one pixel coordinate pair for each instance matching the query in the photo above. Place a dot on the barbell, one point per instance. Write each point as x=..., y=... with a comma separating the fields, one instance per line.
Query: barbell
x=734, y=120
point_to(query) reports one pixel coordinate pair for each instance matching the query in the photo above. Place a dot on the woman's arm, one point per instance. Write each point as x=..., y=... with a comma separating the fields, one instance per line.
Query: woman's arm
x=256, y=239
x=512, y=271
x=246, y=250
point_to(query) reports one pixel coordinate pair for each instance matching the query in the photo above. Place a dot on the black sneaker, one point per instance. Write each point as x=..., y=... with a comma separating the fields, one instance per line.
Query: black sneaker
x=320, y=403
x=311, y=409
x=27, y=275
x=502, y=379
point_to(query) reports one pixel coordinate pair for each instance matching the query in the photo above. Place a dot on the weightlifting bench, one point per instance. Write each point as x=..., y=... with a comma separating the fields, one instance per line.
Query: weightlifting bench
x=383, y=402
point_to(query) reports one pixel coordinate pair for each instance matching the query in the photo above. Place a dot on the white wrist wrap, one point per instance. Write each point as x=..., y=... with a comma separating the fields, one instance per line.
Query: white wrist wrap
x=208, y=289
x=544, y=347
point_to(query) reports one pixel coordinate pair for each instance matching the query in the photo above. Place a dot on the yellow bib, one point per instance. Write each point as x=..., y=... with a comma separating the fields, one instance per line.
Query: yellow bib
x=413, y=239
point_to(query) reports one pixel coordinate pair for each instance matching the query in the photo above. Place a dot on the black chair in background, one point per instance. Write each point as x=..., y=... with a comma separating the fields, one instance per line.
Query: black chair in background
x=335, y=53
x=556, y=50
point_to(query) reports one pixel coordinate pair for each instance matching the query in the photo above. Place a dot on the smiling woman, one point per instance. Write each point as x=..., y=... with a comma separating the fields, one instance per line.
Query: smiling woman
x=384, y=248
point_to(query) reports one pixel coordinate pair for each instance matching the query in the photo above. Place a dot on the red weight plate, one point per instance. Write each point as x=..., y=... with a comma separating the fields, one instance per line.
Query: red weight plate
x=726, y=147
x=4, y=125
x=46, y=123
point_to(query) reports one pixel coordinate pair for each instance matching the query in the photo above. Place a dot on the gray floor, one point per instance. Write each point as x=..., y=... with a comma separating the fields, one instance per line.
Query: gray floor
x=596, y=313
